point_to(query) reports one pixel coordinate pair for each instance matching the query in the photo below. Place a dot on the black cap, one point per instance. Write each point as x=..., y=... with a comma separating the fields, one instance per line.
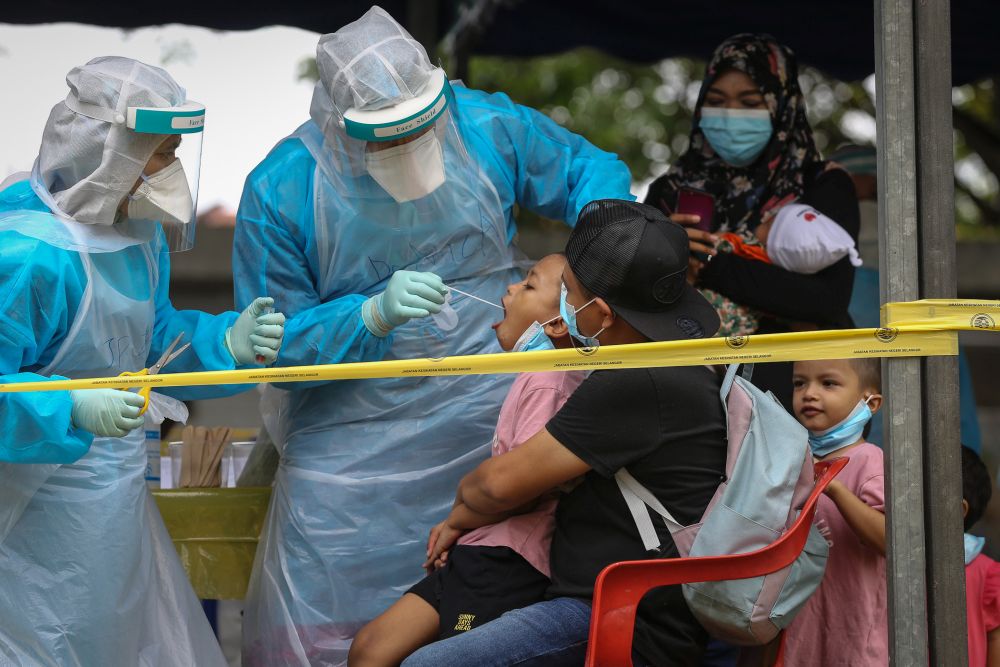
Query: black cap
x=633, y=257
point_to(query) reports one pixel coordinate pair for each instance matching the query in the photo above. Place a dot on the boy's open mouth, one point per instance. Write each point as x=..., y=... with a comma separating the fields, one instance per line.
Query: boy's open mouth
x=503, y=302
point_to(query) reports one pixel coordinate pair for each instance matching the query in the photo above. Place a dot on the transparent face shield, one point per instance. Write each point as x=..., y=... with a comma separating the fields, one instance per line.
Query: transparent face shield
x=402, y=147
x=167, y=191
x=402, y=227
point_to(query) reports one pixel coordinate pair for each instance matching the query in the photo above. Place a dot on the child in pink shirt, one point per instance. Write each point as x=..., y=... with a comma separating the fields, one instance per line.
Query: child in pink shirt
x=482, y=566
x=982, y=574
x=844, y=623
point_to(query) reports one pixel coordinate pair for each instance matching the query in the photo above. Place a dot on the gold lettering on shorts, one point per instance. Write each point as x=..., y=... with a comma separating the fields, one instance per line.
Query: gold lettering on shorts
x=464, y=622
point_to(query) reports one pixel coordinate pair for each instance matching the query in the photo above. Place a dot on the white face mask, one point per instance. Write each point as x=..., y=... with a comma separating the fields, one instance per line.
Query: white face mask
x=163, y=196
x=408, y=171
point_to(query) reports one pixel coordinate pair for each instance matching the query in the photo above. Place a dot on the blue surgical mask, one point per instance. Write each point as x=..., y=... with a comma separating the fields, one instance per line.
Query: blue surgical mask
x=843, y=434
x=973, y=545
x=534, y=338
x=738, y=136
x=568, y=312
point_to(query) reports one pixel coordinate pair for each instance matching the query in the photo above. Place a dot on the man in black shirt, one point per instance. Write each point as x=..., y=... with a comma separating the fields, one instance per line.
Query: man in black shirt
x=625, y=283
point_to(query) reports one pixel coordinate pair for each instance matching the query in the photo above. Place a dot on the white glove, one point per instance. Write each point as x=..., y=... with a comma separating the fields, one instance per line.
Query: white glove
x=106, y=412
x=255, y=337
x=408, y=294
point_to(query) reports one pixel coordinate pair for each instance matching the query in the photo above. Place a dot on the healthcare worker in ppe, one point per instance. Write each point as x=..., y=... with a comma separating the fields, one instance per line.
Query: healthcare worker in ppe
x=401, y=184
x=88, y=573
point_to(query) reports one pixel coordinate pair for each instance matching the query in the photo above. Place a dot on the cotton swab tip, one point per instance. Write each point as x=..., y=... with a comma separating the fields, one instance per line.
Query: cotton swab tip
x=473, y=296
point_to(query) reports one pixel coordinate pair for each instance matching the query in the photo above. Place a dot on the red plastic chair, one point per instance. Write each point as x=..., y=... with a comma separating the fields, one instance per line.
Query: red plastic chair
x=620, y=586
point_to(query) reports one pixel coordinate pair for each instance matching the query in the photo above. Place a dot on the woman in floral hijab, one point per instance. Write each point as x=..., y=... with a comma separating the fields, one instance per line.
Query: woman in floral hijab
x=752, y=149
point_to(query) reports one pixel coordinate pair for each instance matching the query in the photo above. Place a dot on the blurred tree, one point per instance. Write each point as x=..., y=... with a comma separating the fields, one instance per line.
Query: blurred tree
x=308, y=71
x=977, y=158
x=640, y=112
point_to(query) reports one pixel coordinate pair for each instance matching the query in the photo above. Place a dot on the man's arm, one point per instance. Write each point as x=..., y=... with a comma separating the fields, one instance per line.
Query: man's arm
x=504, y=483
x=461, y=520
x=503, y=486
x=464, y=518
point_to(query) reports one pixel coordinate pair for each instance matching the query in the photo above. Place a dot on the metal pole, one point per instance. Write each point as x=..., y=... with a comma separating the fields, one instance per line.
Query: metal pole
x=942, y=453
x=900, y=281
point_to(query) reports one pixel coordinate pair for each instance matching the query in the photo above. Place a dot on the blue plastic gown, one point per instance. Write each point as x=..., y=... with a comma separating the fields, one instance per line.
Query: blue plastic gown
x=37, y=425
x=89, y=575
x=369, y=466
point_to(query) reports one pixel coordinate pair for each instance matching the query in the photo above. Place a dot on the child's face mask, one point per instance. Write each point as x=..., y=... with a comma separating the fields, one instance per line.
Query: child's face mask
x=973, y=546
x=534, y=338
x=847, y=432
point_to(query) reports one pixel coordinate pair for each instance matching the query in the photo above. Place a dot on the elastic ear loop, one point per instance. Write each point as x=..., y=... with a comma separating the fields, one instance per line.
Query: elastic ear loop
x=597, y=343
x=602, y=330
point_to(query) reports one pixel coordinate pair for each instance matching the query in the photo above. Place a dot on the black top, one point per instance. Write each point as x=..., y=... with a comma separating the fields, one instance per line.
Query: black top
x=821, y=298
x=667, y=427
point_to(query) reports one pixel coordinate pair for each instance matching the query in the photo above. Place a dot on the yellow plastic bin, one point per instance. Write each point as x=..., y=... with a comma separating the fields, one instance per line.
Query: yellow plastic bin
x=216, y=533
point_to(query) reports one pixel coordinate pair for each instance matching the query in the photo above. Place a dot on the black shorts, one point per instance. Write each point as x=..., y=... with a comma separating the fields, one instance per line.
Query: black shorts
x=478, y=584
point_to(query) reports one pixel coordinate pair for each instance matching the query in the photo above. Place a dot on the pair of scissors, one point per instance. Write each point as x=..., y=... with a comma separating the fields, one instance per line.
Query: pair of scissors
x=165, y=359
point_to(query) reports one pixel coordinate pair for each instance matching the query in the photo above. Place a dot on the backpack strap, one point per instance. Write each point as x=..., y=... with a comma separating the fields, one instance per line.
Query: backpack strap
x=727, y=382
x=637, y=497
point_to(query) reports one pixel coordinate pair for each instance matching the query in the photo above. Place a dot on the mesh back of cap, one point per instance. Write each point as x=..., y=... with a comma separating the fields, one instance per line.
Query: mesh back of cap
x=604, y=242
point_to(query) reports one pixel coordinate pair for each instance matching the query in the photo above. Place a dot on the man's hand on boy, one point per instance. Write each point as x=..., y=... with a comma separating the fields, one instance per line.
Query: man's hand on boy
x=439, y=543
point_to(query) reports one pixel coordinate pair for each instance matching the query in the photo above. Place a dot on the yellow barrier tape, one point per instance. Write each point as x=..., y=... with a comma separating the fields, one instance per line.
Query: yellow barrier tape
x=917, y=341
x=956, y=315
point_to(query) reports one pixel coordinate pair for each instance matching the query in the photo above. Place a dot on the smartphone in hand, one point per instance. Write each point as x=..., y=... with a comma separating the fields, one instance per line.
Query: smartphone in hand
x=697, y=202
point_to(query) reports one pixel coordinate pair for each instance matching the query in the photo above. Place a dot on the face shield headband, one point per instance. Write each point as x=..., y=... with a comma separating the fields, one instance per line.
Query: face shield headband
x=170, y=196
x=403, y=119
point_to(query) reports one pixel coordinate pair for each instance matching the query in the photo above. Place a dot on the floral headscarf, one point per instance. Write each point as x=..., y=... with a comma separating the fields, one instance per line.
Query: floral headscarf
x=746, y=196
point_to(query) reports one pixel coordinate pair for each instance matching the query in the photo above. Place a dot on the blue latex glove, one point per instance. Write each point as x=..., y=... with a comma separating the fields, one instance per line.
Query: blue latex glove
x=408, y=294
x=256, y=335
x=107, y=412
